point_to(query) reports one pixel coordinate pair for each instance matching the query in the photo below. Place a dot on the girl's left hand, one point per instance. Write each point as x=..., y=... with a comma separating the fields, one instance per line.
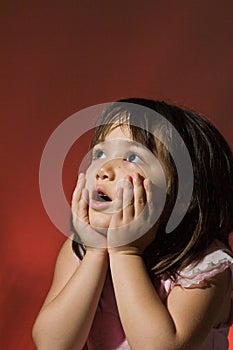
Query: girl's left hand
x=132, y=227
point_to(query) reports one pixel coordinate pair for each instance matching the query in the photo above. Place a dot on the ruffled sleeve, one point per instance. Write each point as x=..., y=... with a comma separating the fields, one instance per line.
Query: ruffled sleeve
x=213, y=263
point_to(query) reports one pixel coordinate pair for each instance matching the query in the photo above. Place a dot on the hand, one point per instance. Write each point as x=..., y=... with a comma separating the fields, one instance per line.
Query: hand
x=79, y=206
x=132, y=226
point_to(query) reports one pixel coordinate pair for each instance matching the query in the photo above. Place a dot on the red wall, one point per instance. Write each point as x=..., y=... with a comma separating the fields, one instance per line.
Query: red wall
x=59, y=57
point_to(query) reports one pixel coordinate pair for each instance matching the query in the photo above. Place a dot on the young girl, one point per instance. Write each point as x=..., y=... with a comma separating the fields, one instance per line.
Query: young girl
x=123, y=282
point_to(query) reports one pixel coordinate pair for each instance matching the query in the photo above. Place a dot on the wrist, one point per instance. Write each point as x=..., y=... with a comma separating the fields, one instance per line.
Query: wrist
x=124, y=250
x=127, y=258
x=98, y=252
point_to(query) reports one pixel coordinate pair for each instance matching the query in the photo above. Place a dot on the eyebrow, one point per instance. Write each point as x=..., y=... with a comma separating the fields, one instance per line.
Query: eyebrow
x=129, y=142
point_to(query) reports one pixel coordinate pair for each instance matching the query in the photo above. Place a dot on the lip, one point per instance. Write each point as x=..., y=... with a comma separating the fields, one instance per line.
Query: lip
x=101, y=206
x=98, y=205
x=100, y=189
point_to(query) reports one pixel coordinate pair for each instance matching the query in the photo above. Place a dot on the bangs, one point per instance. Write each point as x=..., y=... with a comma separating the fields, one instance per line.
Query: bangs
x=125, y=120
x=110, y=123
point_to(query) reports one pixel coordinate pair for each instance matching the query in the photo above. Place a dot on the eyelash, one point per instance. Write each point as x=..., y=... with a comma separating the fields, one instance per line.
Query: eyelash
x=136, y=156
x=98, y=154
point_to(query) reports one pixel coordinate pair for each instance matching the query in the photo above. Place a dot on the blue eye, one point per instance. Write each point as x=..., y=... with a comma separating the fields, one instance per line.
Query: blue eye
x=98, y=154
x=134, y=158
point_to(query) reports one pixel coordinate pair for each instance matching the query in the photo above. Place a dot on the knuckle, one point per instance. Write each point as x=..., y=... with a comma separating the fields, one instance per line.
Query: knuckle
x=141, y=201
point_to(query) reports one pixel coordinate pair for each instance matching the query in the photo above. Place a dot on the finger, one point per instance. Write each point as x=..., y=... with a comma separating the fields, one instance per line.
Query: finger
x=139, y=194
x=128, y=200
x=149, y=197
x=116, y=219
x=78, y=192
x=83, y=205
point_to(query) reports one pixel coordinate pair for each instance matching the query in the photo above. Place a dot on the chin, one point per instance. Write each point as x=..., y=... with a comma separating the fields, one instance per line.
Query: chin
x=99, y=221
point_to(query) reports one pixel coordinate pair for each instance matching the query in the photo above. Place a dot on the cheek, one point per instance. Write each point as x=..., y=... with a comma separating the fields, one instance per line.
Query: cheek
x=132, y=168
x=156, y=174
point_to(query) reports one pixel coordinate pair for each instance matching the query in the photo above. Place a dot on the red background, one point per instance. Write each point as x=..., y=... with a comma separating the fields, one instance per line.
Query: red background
x=60, y=57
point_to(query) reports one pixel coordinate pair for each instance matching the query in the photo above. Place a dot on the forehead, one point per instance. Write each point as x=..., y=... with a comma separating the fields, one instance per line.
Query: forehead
x=122, y=129
x=119, y=139
x=119, y=132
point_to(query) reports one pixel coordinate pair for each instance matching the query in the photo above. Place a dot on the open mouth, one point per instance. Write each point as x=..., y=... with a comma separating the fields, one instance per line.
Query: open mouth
x=101, y=201
x=102, y=197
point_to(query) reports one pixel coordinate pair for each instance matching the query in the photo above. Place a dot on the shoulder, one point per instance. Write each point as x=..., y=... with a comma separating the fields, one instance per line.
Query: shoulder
x=203, y=306
x=206, y=288
x=216, y=260
x=200, y=297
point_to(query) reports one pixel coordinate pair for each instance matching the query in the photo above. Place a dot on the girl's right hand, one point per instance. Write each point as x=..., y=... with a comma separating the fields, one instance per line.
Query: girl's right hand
x=79, y=206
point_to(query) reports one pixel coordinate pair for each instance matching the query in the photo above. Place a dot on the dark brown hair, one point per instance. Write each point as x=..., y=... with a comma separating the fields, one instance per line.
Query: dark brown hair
x=209, y=216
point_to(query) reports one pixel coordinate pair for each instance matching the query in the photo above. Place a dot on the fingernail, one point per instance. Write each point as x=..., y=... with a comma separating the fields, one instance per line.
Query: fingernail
x=80, y=178
x=147, y=184
x=135, y=177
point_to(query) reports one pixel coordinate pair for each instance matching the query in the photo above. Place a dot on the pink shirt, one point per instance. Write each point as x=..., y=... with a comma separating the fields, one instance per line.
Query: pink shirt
x=107, y=332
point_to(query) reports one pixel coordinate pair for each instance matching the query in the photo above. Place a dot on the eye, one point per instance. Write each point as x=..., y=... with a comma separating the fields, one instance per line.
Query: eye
x=134, y=158
x=98, y=154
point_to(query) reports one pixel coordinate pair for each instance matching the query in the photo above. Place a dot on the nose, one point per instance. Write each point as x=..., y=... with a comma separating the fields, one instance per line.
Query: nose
x=108, y=170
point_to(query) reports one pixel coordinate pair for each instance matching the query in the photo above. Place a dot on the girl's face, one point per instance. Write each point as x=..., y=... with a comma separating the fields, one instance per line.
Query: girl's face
x=114, y=160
